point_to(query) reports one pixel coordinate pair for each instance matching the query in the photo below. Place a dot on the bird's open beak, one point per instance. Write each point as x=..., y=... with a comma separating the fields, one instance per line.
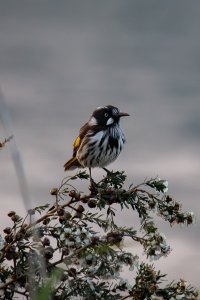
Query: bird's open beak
x=122, y=114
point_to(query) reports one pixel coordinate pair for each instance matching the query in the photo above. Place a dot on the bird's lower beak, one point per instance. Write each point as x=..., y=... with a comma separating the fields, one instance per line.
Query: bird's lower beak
x=122, y=114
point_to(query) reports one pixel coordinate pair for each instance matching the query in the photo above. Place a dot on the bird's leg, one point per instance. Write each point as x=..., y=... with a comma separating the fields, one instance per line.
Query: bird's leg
x=108, y=172
x=90, y=175
x=93, y=185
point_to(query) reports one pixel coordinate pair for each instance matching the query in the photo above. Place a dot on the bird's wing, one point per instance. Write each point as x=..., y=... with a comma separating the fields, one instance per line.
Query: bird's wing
x=73, y=162
x=76, y=145
x=80, y=138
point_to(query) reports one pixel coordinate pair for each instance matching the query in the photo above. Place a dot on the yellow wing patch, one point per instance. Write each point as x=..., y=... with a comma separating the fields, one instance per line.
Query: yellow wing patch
x=77, y=142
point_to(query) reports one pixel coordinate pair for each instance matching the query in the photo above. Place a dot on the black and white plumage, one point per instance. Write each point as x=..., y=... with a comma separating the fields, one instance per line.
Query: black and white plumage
x=100, y=140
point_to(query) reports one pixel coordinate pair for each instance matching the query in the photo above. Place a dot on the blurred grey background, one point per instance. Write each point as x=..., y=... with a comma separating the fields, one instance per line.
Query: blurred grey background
x=59, y=60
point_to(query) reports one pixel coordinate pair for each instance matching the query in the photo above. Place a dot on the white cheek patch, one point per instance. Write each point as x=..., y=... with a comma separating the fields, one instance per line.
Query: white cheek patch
x=110, y=121
x=92, y=121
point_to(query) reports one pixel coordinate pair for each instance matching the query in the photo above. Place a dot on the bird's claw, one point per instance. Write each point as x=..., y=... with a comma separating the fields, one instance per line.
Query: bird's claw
x=93, y=187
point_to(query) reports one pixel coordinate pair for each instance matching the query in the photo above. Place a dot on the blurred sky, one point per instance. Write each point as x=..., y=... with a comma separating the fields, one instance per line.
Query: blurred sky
x=59, y=60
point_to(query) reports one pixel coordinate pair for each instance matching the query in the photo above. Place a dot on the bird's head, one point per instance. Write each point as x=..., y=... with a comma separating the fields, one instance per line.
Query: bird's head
x=106, y=116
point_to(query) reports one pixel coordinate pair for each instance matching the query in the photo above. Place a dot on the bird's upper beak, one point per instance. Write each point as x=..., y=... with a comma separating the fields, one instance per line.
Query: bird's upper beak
x=123, y=114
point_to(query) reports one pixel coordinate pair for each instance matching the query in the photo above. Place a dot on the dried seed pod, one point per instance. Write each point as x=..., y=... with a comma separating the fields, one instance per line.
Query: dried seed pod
x=68, y=215
x=22, y=281
x=152, y=205
x=89, y=260
x=9, y=255
x=65, y=251
x=77, y=214
x=114, y=236
x=60, y=211
x=80, y=208
x=94, y=239
x=72, y=193
x=15, y=255
x=54, y=191
x=72, y=272
x=48, y=252
x=62, y=219
x=10, y=251
x=46, y=221
x=40, y=232
x=110, y=200
x=19, y=236
x=84, y=199
x=78, y=196
x=15, y=218
x=46, y=242
x=8, y=238
x=92, y=203
x=189, y=219
x=7, y=230
x=24, y=227
x=11, y=213
x=177, y=206
x=64, y=277
x=36, y=238
x=168, y=199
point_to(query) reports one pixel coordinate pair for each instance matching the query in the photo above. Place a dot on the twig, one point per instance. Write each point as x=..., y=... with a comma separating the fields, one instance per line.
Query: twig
x=3, y=286
x=2, y=144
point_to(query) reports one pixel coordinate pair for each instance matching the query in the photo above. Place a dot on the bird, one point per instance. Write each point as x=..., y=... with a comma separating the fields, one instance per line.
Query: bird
x=100, y=140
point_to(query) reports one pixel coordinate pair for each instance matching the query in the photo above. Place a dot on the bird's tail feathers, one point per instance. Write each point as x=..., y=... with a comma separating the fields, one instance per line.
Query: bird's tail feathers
x=72, y=164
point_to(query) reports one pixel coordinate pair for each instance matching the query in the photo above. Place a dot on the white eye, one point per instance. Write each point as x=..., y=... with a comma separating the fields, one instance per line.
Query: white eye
x=106, y=115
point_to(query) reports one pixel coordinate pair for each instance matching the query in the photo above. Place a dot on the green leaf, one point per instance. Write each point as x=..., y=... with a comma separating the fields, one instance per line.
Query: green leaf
x=47, y=289
x=41, y=208
x=83, y=175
